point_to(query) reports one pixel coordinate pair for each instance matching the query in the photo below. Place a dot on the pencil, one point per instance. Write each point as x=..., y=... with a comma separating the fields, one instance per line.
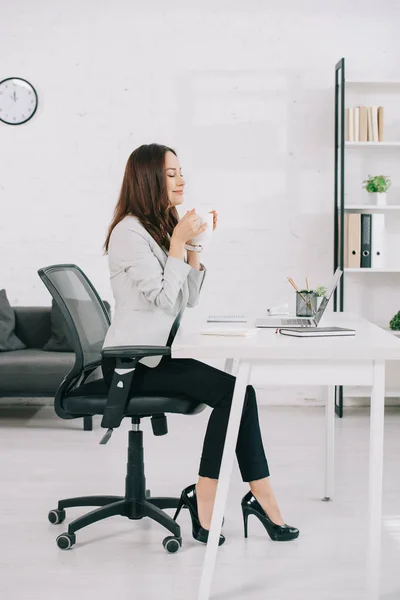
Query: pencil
x=292, y=283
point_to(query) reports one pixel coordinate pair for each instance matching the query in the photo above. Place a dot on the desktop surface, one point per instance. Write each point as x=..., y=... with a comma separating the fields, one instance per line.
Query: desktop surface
x=370, y=342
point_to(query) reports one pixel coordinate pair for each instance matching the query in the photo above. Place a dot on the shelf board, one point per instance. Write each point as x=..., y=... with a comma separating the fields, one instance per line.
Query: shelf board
x=370, y=270
x=371, y=207
x=372, y=144
x=388, y=83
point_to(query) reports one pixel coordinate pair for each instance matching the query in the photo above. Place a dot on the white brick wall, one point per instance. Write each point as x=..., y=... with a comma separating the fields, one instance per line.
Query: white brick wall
x=242, y=90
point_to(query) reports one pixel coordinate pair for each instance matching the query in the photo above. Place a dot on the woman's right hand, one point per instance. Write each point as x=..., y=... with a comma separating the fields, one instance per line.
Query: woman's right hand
x=189, y=227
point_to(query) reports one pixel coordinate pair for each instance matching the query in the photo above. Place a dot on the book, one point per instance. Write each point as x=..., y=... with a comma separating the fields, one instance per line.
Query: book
x=352, y=240
x=316, y=331
x=378, y=241
x=356, y=124
x=366, y=241
x=346, y=125
x=351, y=124
x=374, y=118
x=369, y=120
x=226, y=319
x=380, y=123
x=363, y=124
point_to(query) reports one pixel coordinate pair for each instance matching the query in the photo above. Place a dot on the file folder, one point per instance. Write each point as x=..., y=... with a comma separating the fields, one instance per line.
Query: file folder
x=366, y=241
x=352, y=240
x=378, y=241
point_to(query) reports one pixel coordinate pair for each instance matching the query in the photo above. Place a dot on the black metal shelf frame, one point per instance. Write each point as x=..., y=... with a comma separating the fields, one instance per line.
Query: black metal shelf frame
x=338, y=237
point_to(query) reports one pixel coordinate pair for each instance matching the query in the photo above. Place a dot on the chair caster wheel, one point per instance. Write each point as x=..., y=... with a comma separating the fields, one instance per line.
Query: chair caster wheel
x=172, y=544
x=56, y=516
x=65, y=541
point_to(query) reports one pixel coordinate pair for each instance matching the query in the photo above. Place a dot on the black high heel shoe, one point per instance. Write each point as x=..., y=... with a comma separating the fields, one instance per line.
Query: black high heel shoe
x=189, y=500
x=278, y=533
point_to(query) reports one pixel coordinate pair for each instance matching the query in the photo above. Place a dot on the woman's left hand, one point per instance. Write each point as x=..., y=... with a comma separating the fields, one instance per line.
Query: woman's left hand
x=215, y=219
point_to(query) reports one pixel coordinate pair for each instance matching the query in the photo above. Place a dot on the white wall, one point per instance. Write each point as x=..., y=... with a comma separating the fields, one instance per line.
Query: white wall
x=242, y=90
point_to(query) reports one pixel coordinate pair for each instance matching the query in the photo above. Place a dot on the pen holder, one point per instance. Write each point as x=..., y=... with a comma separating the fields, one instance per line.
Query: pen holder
x=306, y=304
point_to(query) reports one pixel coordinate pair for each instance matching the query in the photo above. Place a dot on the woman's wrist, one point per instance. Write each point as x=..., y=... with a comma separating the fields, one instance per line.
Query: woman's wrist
x=177, y=248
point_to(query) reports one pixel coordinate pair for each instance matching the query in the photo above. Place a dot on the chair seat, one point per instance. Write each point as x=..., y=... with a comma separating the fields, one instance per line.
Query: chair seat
x=91, y=398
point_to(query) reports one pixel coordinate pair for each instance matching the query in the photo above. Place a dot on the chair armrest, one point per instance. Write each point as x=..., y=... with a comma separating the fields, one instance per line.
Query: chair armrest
x=135, y=351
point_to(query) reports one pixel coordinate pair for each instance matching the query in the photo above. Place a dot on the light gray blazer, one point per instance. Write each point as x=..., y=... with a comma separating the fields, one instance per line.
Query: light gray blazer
x=150, y=288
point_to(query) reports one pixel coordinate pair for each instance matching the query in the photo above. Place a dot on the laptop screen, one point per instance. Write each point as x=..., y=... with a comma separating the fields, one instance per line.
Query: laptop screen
x=324, y=302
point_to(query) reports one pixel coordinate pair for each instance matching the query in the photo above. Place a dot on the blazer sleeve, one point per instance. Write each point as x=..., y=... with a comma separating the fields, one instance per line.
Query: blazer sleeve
x=195, y=283
x=160, y=286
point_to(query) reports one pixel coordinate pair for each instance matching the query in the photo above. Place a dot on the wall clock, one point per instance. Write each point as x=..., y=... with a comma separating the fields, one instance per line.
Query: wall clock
x=18, y=101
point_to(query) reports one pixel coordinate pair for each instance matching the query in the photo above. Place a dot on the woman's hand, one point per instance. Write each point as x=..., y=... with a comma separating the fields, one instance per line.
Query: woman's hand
x=190, y=226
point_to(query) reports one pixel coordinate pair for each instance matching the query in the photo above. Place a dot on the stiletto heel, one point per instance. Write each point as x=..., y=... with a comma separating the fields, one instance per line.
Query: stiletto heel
x=277, y=533
x=189, y=500
x=179, y=507
x=245, y=519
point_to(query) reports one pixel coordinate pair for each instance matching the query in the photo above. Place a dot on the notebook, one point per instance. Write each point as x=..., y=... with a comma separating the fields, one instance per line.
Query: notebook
x=316, y=331
x=229, y=331
x=226, y=319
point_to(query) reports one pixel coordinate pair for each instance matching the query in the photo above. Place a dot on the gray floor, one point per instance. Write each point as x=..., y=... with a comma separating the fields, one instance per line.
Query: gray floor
x=43, y=458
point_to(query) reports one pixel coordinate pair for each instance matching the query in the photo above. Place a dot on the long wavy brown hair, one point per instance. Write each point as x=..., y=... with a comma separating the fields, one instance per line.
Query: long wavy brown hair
x=144, y=194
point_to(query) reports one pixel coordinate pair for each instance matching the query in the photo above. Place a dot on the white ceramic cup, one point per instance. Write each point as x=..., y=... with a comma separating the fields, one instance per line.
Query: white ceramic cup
x=204, y=237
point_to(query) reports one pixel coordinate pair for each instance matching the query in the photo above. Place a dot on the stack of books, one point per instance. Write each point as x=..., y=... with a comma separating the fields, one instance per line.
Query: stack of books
x=364, y=124
x=364, y=240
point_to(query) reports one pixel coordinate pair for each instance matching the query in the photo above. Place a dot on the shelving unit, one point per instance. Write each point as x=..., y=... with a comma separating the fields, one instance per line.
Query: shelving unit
x=372, y=144
x=361, y=151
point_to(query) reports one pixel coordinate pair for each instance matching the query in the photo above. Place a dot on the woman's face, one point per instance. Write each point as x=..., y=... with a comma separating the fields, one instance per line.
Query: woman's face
x=175, y=183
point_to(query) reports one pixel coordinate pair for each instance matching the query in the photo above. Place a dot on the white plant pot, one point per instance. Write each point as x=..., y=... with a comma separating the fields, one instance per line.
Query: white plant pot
x=319, y=300
x=378, y=198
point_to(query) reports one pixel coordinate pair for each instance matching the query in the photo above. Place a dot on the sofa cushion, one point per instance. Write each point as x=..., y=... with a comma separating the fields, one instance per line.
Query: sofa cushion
x=8, y=338
x=32, y=325
x=33, y=372
x=59, y=340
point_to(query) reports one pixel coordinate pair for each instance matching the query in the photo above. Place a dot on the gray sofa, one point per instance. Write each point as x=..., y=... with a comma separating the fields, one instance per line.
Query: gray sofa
x=34, y=372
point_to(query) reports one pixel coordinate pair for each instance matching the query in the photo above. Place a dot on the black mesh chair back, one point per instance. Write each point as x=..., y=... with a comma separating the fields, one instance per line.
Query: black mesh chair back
x=84, y=312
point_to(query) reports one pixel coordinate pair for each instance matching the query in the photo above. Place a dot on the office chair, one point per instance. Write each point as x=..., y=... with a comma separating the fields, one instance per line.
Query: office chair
x=84, y=392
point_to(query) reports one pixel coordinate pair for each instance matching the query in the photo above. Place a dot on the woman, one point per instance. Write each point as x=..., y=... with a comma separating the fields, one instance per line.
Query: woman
x=153, y=281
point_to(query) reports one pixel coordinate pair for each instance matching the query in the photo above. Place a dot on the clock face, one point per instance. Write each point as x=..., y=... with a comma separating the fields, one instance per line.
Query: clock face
x=18, y=101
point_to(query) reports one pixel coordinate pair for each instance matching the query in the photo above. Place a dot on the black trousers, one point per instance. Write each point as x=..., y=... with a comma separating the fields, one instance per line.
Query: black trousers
x=214, y=388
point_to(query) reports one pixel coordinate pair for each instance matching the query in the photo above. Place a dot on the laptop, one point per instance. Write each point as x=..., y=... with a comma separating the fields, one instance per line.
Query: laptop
x=302, y=321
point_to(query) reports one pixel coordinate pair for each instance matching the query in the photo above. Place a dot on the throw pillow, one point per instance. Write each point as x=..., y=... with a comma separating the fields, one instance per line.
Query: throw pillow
x=8, y=339
x=59, y=340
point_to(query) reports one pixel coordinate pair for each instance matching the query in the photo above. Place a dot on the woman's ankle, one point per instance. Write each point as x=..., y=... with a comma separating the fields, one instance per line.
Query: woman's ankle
x=206, y=488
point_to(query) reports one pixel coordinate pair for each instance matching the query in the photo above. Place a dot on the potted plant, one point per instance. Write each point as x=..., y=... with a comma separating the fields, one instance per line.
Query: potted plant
x=395, y=322
x=377, y=186
x=320, y=293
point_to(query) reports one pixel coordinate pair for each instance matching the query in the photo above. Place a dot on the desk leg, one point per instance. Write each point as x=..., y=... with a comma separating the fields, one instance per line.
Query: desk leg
x=375, y=479
x=242, y=379
x=329, y=444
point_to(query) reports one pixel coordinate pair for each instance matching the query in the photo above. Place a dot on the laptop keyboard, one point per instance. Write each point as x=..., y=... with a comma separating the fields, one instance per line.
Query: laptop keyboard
x=297, y=322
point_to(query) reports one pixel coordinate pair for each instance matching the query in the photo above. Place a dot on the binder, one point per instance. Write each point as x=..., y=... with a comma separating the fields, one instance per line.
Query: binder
x=378, y=257
x=352, y=240
x=366, y=241
x=363, y=123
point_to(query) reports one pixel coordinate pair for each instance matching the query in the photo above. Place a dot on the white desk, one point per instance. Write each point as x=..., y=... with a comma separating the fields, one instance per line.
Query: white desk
x=302, y=361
